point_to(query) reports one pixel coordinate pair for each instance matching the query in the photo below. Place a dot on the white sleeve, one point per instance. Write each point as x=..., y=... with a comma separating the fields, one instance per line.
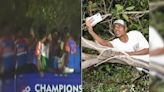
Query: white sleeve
x=143, y=43
x=155, y=39
x=114, y=43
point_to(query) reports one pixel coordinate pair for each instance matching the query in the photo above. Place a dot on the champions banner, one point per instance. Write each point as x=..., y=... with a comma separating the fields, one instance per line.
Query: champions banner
x=49, y=83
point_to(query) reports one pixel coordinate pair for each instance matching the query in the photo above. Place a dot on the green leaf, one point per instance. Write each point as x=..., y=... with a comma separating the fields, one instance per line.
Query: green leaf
x=125, y=17
x=130, y=8
x=114, y=12
x=94, y=6
x=119, y=7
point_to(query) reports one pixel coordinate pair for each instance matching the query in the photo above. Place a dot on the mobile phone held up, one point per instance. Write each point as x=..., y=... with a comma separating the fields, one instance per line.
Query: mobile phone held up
x=95, y=19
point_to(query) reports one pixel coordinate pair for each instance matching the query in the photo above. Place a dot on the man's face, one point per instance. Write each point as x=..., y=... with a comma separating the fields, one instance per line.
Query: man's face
x=119, y=30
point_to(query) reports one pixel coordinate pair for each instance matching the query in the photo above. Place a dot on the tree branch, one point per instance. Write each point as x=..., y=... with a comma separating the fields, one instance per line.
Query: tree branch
x=108, y=55
x=127, y=12
x=88, y=56
x=157, y=3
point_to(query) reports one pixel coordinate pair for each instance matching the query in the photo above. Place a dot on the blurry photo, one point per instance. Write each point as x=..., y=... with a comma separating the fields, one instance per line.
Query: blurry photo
x=40, y=45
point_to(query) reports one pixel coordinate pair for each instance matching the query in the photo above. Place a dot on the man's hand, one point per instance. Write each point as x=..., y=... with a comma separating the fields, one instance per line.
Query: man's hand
x=95, y=36
x=157, y=52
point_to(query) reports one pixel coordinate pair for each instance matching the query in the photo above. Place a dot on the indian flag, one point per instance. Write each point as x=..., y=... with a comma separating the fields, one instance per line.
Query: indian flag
x=43, y=50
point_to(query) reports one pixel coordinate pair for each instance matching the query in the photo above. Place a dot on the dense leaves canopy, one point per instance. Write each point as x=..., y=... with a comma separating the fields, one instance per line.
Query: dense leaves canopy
x=54, y=14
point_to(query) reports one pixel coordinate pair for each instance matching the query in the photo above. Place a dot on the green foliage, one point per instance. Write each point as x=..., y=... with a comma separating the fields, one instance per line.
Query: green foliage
x=134, y=21
x=130, y=8
x=125, y=17
x=53, y=14
x=114, y=78
x=119, y=8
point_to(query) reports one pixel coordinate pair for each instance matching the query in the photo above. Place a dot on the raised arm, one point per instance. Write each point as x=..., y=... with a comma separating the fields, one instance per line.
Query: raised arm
x=95, y=36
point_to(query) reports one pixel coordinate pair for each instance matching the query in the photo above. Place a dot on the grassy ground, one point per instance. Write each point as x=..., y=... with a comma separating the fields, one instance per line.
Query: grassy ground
x=114, y=78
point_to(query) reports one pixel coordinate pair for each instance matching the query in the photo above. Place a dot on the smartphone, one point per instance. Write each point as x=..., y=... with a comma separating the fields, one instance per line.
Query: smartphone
x=95, y=19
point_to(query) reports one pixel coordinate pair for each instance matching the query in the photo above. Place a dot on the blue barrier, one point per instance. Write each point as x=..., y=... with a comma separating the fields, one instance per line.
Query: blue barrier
x=49, y=83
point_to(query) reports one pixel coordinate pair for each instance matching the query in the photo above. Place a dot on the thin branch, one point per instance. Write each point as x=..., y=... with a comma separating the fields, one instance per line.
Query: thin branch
x=130, y=12
x=137, y=12
x=140, y=23
x=138, y=16
x=157, y=3
x=127, y=12
x=88, y=56
x=104, y=6
x=90, y=9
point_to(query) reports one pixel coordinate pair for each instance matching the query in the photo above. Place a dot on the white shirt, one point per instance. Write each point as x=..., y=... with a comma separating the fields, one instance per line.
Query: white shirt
x=155, y=39
x=156, y=42
x=136, y=41
x=45, y=50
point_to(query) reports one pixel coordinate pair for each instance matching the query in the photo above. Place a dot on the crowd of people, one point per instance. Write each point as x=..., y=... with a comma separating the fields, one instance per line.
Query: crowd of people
x=38, y=51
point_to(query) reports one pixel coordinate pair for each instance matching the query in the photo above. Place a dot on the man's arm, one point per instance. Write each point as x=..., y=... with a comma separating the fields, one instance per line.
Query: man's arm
x=143, y=45
x=95, y=36
x=157, y=52
x=140, y=52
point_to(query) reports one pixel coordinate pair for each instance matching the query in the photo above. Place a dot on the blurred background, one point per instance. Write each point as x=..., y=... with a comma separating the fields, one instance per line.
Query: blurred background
x=156, y=37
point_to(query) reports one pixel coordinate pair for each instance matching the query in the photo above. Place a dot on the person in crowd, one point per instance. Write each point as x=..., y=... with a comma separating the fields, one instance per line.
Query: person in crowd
x=7, y=51
x=73, y=52
x=42, y=51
